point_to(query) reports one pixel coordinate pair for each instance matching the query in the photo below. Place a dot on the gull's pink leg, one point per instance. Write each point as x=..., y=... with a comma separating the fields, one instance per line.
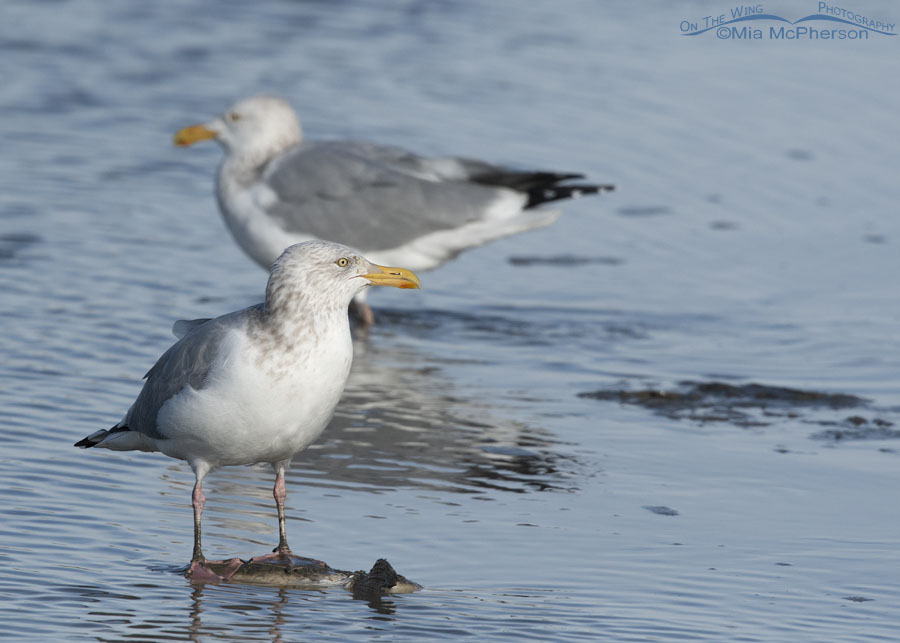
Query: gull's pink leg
x=199, y=571
x=282, y=555
x=198, y=500
x=280, y=493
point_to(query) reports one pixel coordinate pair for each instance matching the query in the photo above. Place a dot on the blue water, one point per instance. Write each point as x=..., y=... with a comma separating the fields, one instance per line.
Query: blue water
x=753, y=238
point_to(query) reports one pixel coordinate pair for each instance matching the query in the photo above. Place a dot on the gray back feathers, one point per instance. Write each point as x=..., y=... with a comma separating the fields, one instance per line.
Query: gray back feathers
x=369, y=196
x=187, y=363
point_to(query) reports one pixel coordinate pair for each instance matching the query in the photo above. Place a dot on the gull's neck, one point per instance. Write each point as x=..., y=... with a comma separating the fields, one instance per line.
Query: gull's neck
x=294, y=316
x=245, y=163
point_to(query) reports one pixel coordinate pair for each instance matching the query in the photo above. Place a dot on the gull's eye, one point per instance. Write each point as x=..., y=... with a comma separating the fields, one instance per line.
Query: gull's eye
x=343, y=262
x=233, y=116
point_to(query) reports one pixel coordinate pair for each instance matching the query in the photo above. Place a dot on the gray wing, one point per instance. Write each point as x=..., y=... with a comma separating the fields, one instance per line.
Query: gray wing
x=372, y=197
x=183, y=326
x=186, y=363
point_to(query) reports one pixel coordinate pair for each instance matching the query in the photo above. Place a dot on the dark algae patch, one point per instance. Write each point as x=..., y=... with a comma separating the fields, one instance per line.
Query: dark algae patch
x=563, y=261
x=740, y=404
x=743, y=395
x=857, y=427
x=661, y=510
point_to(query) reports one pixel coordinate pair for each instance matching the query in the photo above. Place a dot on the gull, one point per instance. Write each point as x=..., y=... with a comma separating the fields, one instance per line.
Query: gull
x=274, y=188
x=258, y=384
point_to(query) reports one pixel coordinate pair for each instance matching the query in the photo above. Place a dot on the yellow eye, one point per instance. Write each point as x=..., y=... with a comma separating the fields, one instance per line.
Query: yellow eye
x=343, y=262
x=234, y=116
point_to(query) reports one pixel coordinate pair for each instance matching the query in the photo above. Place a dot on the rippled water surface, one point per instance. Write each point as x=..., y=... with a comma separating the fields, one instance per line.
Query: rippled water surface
x=753, y=239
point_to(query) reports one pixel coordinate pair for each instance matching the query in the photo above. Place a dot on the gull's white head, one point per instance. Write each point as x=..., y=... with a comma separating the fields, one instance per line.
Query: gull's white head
x=255, y=128
x=326, y=275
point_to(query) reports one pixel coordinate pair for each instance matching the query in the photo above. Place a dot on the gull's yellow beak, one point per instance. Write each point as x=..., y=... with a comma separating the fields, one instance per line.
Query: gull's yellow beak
x=193, y=134
x=396, y=277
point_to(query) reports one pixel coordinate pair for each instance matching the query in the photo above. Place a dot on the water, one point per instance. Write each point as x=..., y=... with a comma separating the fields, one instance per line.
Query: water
x=752, y=239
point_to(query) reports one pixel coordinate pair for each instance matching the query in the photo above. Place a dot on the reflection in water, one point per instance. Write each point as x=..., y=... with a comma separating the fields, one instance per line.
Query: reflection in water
x=522, y=326
x=401, y=425
x=381, y=605
x=272, y=614
x=268, y=608
x=196, y=613
x=260, y=611
x=278, y=617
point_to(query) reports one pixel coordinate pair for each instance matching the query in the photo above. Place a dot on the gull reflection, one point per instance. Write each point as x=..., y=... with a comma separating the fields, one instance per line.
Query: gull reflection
x=268, y=613
x=402, y=424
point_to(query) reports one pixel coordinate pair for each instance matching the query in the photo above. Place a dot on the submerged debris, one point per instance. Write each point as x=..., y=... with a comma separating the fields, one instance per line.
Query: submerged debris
x=380, y=580
x=307, y=573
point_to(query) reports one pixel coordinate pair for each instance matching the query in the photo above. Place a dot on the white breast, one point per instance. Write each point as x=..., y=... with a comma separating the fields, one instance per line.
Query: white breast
x=251, y=412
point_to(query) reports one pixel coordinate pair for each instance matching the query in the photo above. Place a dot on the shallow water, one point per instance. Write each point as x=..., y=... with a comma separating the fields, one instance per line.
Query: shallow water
x=752, y=239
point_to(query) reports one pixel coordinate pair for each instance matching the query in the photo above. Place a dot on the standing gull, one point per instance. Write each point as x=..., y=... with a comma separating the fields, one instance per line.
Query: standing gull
x=258, y=384
x=275, y=189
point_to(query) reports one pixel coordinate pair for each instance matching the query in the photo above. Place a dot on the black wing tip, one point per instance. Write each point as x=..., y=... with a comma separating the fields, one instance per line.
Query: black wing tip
x=540, y=186
x=523, y=181
x=539, y=196
x=588, y=188
x=556, y=177
x=96, y=438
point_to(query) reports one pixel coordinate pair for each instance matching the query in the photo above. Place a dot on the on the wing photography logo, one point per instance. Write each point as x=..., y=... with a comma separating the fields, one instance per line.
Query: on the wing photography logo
x=751, y=22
